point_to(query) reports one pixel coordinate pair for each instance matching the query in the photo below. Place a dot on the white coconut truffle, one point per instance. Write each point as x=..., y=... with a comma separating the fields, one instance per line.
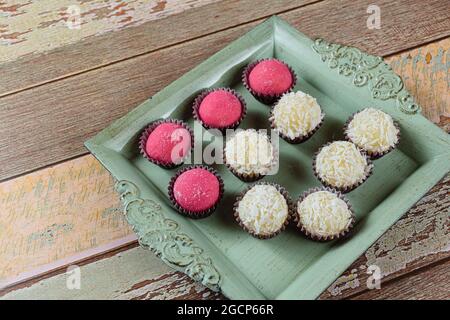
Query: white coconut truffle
x=263, y=210
x=250, y=152
x=323, y=213
x=373, y=130
x=341, y=164
x=296, y=114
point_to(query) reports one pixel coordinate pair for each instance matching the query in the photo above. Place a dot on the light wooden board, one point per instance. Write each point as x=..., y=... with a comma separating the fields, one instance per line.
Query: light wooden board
x=133, y=274
x=57, y=212
x=97, y=97
x=425, y=72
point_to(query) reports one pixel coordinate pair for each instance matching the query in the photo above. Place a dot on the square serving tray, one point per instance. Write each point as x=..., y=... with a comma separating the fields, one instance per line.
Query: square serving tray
x=215, y=251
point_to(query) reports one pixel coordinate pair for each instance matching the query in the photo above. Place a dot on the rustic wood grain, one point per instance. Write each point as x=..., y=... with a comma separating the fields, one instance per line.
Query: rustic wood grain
x=54, y=112
x=132, y=274
x=425, y=72
x=57, y=212
x=430, y=284
x=28, y=27
x=135, y=32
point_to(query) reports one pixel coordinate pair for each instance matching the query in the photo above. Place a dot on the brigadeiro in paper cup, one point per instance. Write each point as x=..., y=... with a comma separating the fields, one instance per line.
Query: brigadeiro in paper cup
x=195, y=191
x=323, y=214
x=166, y=142
x=268, y=79
x=250, y=155
x=221, y=108
x=263, y=209
x=373, y=131
x=342, y=166
x=296, y=117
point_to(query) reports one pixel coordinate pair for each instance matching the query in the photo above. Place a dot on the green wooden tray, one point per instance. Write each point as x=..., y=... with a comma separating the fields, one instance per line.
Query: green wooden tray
x=215, y=251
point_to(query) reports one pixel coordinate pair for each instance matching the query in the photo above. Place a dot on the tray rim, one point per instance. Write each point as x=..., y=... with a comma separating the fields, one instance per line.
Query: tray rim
x=206, y=265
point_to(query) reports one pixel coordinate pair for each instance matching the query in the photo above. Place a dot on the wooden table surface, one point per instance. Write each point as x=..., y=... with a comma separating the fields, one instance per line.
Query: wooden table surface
x=59, y=86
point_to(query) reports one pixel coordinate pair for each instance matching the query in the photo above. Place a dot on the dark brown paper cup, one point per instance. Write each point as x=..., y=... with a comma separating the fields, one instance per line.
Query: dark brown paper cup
x=198, y=100
x=348, y=188
x=285, y=194
x=266, y=99
x=194, y=214
x=314, y=236
x=145, y=134
x=372, y=155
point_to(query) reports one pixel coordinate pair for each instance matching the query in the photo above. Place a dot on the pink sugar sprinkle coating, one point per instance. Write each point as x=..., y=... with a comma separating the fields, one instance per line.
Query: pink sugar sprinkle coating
x=196, y=190
x=220, y=109
x=168, y=138
x=270, y=77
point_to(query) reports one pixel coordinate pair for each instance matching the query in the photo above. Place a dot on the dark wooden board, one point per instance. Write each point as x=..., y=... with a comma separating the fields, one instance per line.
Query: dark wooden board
x=430, y=284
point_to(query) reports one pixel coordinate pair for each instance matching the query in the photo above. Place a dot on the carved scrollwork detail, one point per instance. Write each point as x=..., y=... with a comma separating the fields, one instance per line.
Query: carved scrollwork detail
x=367, y=70
x=164, y=237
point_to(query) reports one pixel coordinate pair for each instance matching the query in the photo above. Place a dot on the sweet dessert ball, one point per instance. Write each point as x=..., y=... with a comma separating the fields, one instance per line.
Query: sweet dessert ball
x=268, y=79
x=249, y=155
x=373, y=131
x=221, y=109
x=296, y=117
x=323, y=214
x=195, y=191
x=166, y=142
x=263, y=210
x=342, y=166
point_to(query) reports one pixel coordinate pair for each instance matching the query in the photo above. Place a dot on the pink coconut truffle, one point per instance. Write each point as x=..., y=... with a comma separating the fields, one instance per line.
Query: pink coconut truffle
x=196, y=190
x=168, y=143
x=270, y=77
x=220, y=109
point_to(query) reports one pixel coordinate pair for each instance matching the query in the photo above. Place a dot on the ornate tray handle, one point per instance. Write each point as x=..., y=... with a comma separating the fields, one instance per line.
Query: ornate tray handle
x=367, y=70
x=164, y=238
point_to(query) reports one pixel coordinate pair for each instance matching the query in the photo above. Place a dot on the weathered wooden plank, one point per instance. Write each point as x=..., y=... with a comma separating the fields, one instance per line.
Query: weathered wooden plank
x=430, y=284
x=54, y=112
x=46, y=49
x=425, y=72
x=55, y=213
x=29, y=27
x=132, y=274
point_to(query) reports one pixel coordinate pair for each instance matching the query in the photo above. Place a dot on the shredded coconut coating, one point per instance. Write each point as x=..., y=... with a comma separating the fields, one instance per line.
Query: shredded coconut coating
x=263, y=209
x=250, y=152
x=324, y=213
x=296, y=114
x=373, y=130
x=341, y=164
